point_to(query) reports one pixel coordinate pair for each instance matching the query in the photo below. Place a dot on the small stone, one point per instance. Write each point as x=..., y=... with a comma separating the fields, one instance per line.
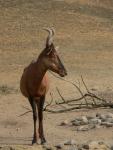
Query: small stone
x=78, y=119
x=109, y=120
x=48, y=147
x=96, y=145
x=97, y=126
x=90, y=117
x=76, y=123
x=85, y=146
x=109, y=124
x=70, y=142
x=109, y=115
x=17, y=129
x=104, y=123
x=101, y=142
x=84, y=120
x=92, y=126
x=93, y=145
x=59, y=146
x=95, y=121
x=82, y=128
x=102, y=117
x=64, y=123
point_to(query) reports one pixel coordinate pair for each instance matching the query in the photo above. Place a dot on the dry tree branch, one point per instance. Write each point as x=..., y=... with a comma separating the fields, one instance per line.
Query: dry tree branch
x=92, y=94
x=87, y=89
x=60, y=94
x=64, y=101
x=71, y=101
x=72, y=84
x=49, y=103
x=78, y=107
x=25, y=113
x=25, y=107
x=29, y=110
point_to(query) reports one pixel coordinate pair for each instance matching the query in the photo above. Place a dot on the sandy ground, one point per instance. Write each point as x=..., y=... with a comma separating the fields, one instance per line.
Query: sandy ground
x=84, y=32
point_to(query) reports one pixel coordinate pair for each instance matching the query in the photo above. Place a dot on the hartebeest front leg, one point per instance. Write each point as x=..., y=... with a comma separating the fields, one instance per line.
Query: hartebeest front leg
x=34, y=109
x=40, y=105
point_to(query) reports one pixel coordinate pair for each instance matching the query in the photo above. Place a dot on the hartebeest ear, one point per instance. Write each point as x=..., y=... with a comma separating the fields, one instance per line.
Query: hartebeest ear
x=49, y=49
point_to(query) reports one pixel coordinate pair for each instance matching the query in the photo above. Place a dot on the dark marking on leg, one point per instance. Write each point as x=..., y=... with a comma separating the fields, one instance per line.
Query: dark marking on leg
x=40, y=105
x=34, y=109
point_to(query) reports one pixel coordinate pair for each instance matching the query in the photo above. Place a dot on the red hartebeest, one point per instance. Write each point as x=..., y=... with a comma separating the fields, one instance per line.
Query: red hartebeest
x=34, y=82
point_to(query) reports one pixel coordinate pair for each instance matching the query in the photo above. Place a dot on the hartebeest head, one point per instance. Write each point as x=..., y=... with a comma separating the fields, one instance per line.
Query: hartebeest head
x=50, y=57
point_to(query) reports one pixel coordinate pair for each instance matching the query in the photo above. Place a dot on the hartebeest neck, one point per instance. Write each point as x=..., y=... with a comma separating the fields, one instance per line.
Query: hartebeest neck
x=41, y=69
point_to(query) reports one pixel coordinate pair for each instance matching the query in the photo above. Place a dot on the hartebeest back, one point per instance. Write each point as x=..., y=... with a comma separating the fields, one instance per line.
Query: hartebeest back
x=34, y=82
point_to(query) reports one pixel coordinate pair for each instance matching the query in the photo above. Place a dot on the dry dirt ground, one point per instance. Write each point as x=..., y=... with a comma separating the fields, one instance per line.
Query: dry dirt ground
x=84, y=32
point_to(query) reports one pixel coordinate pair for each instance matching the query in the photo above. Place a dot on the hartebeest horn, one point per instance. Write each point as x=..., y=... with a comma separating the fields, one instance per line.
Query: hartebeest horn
x=50, y=36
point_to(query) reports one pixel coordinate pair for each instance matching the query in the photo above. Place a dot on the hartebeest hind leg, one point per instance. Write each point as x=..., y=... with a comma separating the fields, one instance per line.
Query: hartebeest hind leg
x=34, y=109
x=40, y=105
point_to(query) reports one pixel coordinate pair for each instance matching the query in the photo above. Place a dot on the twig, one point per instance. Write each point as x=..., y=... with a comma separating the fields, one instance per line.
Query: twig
x=49, y=103
x=78, y=107
x=61, y=98
x=60, y=94
x=87, y=89
x=25, y=113
x=25, y=107
x=72, y=84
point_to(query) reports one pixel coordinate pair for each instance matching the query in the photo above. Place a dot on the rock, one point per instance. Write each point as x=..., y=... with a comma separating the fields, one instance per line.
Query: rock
x=104, y=123
x=102, y=117
x=59, y=146
x=90, y=117
x=103, y=120
x=107, y=124
x=84, y=120
x=96, y=145
x=17, y=129
x=76, y=123
x=97, y=126
x=78, y=119
x=109, y=120
x=82, y=128
x=70, y=142
x=95, y=121
x=48, y=147
x=109, y=115
x=92, y=126
x=64, y=123
x=85, y=146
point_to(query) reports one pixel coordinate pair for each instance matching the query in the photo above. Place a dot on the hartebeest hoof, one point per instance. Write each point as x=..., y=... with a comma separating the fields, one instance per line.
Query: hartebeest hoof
x=43, y=141
x=34, y=142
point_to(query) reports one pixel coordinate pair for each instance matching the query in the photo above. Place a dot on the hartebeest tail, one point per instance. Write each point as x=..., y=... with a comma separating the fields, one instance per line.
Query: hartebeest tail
x=34, y=82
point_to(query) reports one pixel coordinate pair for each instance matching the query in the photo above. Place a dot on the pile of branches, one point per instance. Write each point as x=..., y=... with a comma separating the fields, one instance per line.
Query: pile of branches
x=88, y=100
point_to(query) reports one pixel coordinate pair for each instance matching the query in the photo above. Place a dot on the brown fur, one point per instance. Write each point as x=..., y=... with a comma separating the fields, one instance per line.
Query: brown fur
x=34, y=81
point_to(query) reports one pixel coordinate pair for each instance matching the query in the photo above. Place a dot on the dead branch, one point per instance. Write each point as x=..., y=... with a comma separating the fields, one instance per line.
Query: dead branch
x=60, y=94
x=73, y=85
x=78, y=107
x=50, y=102
x=72, y=105
x=25, y=113
x=87, y=89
